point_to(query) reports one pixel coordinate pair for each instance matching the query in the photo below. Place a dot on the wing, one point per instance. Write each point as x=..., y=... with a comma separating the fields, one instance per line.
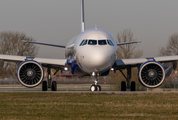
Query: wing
x=123, y=63
x=128, y=43
x=48, y=44
x=152, y=71
x=43, y=61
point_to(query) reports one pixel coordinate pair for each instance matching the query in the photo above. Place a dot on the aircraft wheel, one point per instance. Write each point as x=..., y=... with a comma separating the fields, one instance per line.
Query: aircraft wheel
x=98, y=88
x=44, y=86
x=132, y=87
x=54, y=86
x=93, y=88
x=123, y=86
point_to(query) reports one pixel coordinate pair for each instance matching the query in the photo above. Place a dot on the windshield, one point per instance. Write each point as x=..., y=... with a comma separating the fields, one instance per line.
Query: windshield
x=102, y=42
x=92, y=42
x=84, y=42
x=110, y=42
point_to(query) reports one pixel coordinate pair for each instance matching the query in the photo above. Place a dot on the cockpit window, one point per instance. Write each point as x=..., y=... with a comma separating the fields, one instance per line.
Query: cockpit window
x=92, y=42
x=102, y=42
x=84, y=42
x=81, y=43
x=110, y=42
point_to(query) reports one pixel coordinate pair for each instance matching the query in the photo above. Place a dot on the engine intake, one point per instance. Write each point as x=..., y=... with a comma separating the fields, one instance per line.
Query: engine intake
x=151, y=74
x=30, y=73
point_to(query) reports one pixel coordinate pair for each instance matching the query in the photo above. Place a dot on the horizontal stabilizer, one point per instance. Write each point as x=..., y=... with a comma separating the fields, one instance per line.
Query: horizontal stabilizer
x=48, y=44
x=128, y=42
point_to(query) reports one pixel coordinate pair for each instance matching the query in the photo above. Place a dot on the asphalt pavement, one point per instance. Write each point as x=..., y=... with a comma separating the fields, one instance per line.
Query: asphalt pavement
x=106, y=92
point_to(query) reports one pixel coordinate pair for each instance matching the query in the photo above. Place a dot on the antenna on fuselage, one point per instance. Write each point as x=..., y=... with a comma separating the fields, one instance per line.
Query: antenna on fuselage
x=82, y=16
x=95, y=26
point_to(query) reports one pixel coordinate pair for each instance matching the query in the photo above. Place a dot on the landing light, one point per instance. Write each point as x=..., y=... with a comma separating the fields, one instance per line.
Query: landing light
x=65, y=68
x=93, y=73
x=112, y=69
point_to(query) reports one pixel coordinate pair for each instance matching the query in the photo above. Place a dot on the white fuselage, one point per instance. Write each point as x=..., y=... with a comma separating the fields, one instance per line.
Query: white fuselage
x=94, y=50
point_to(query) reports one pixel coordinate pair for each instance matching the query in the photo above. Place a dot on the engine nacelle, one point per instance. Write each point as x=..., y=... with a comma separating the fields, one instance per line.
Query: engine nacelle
x=30, y=73
x=151, y=74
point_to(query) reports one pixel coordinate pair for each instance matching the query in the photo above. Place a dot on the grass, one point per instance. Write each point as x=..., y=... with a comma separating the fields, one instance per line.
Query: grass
x=56, y=106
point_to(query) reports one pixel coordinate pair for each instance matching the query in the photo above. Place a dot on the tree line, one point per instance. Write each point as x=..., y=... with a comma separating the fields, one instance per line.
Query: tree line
x=132, y=51
x=11, y=44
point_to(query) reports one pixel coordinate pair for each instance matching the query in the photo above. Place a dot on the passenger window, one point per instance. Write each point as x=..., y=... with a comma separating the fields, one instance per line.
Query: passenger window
x=110, y=42
x=102, y=42
x=92, y=42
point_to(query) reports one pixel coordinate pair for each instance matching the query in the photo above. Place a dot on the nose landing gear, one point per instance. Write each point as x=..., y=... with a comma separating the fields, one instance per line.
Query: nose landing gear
x=95, y=87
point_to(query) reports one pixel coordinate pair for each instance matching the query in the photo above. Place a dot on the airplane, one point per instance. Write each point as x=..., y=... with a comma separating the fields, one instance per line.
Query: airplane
x=92, y=53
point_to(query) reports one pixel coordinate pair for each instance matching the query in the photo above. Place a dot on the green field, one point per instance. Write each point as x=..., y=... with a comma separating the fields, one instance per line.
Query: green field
x=55, y=106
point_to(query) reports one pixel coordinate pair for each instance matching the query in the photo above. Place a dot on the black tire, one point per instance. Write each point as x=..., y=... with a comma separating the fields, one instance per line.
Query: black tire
x=132, y=87
x=123, y=86
x=54, y=86
x=93, y=88
x=44, y=86
x=98, y=88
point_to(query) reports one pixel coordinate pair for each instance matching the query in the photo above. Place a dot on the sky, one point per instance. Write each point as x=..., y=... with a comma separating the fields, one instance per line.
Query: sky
x=58, y=21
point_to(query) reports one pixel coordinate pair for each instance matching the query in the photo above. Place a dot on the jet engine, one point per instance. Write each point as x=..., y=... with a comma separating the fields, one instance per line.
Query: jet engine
x=151, y=74
x=30, y=73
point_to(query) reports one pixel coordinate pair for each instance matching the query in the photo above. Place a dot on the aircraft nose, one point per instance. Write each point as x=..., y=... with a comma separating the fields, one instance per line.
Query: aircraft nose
x=98, y=60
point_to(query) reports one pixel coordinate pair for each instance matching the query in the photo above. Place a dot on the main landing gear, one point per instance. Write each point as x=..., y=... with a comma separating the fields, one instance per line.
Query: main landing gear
x=49, y=83
x=125, y=86
x=95, y=87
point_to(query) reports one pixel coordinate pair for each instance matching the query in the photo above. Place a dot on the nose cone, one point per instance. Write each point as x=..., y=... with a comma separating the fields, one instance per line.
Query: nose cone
x=97, y=59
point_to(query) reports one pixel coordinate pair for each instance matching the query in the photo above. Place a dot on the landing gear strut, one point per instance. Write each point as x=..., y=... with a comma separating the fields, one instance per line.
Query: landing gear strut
x=125, y=86
x=49, y=83
x=95, y=87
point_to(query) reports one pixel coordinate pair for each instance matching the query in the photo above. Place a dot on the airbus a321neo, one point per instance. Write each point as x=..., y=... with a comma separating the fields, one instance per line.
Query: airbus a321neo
x=92, y=53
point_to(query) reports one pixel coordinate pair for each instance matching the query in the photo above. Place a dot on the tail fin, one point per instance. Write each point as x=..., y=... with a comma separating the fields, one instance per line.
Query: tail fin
x=82, y=16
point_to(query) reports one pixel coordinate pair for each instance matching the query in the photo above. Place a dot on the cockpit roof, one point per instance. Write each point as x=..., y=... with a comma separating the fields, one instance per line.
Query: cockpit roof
x=96, y=34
